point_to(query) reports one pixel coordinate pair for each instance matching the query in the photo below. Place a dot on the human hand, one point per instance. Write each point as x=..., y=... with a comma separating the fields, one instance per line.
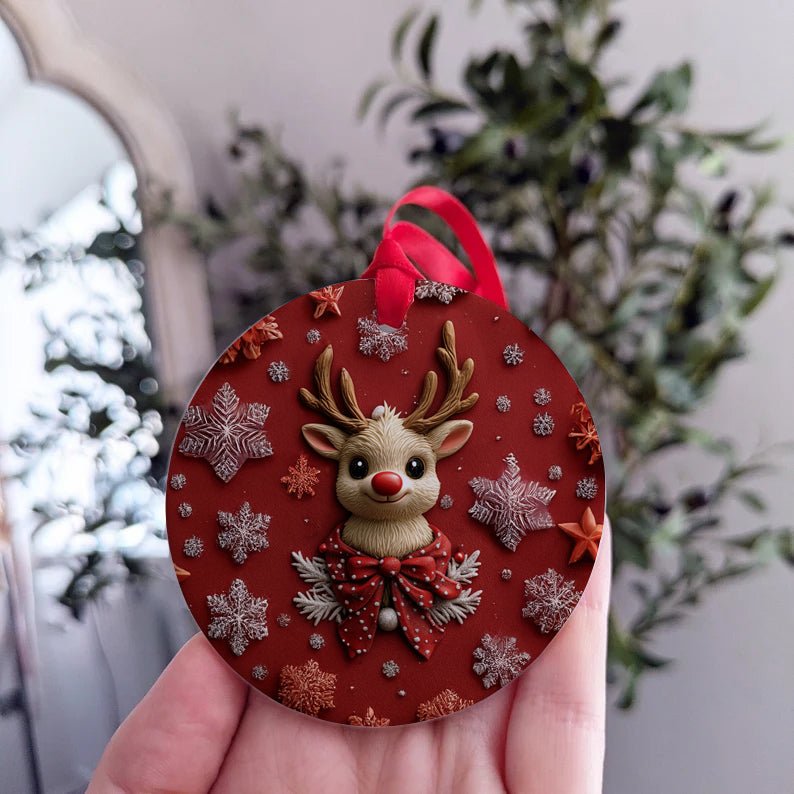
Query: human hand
x=201, y=728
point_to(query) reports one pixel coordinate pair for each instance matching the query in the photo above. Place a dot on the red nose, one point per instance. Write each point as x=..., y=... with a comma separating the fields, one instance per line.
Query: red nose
x=387, y=483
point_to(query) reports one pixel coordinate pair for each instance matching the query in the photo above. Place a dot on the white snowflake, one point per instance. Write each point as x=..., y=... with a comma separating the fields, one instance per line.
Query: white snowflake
x=543, y=425
x=313, y=336
x=227, y=434
x=444, y=293
x=283, y=620
x=243, y=532
x=587, y=488
x=506, y=574
x=446, y=502
x=550, y=600
x=259, y=672
x=513, y=355
x=401, y=693
x=193, y=546
x=542, y=396
x=555, y=472
x=316, y=641
x=511, y=505
x=178, y=482
x=185, y=509
x=237, y=616
x=390, y=668
x=278, y=372
x=503, y=403
x=497, y=660
x=381, y=341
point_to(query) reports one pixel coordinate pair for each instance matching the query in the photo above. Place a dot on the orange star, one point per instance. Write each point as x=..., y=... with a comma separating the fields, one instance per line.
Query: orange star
x=585, y=432
x=327, y=300
x=586, y=533
x=181, y=573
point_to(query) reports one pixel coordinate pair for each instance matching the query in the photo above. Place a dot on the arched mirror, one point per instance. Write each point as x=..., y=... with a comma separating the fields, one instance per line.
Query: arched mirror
x=96, y=299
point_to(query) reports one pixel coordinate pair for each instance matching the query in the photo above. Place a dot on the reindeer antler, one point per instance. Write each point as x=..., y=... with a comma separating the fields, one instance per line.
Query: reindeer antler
x=324, y=403
x=457, y=380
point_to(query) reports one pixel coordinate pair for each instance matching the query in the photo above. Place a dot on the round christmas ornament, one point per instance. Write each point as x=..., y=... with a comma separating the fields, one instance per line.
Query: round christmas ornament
x=386, y=497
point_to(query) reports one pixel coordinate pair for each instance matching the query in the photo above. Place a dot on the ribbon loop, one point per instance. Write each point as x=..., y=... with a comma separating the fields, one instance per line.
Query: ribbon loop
x=408, y=254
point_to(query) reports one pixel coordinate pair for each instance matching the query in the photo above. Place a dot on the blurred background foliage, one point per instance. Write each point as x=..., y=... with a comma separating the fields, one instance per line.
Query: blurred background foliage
x=621, y=241
x=89, y=455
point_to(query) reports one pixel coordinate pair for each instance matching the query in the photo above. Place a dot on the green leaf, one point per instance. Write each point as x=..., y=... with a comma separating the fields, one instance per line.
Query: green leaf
x=752, y=500
x=400, y=32
x=389, y=107
x=368, y=97
x=425, y=50
x=668, y=91
x=438, y=107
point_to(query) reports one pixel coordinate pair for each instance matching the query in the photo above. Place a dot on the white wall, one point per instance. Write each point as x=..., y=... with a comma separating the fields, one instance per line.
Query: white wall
x=723, y=718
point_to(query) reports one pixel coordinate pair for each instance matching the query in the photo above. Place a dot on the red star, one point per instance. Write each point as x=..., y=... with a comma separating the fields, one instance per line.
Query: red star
x=587, y=533
x=327, y=300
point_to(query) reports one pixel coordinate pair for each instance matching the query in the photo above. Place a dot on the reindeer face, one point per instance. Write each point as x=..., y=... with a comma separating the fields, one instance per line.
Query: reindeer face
x=387, y=471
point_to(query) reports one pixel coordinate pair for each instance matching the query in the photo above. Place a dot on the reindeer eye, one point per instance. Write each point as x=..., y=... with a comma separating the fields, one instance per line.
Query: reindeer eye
x=415, y=468
x=358, y=468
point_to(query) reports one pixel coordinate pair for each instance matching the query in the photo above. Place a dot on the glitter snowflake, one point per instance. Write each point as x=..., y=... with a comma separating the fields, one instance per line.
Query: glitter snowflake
x=185, y=509
x=587, y=488
x=278, y=372
x=259, y=672
x=444, y=293
x=497, y=660
x=446, y=502
x=237, y=616
x=306, y=688
x=316, y=641
x=301, y=478
x=390, y=668
x=511, y=505
x=401, y=693
x=369, y=720
x=542, y=396
x=445, y=702
x=193, y=546
x=550, y=600
x=243, y=532
x=506, y=574
x=312, y=336
x=283, y=620
x=503, y=403
x=513, y=355
x=543, y=425
x=380, y=341
x=227, y=434
x=555, y=472
x=178, y=482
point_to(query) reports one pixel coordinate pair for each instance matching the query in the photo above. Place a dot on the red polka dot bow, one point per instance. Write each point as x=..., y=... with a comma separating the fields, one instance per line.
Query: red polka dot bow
x=409, y=585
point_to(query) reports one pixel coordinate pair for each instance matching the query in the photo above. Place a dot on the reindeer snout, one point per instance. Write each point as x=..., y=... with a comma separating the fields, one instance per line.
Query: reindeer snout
x=387, y=483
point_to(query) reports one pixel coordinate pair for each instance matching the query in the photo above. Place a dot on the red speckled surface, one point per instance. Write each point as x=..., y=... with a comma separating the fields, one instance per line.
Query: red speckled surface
x=482, y=332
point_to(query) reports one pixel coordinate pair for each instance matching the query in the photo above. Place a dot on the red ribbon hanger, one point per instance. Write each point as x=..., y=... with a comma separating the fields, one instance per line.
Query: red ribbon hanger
x=408, y=254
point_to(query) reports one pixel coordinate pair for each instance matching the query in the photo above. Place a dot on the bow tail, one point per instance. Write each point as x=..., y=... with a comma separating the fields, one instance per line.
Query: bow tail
x=418, y=631
x=357, y=629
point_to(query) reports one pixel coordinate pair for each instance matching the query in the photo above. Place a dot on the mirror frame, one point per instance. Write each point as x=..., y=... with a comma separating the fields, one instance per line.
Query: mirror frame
x=57, y=53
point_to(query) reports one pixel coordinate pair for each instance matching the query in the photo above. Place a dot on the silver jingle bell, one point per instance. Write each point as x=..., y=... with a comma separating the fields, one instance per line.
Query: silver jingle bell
x=387, y=619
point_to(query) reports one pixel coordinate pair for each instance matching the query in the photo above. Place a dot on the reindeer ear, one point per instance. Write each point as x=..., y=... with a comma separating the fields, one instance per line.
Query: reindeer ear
x=449, y=437
x=325, y=440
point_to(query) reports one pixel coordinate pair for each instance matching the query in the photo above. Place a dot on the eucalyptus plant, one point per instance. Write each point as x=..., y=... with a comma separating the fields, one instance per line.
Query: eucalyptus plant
x=621, y=241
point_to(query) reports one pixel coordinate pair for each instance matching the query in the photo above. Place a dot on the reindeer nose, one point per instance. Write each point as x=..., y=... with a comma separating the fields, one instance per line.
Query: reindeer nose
x=387, y=483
